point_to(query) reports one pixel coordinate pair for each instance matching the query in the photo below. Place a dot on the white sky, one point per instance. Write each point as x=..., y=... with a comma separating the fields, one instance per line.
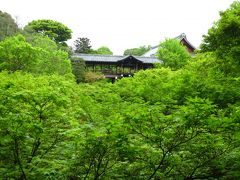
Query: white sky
x=123, y=24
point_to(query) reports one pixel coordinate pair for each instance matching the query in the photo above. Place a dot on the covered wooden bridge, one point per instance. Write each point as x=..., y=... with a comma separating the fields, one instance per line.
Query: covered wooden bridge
x=116, y=66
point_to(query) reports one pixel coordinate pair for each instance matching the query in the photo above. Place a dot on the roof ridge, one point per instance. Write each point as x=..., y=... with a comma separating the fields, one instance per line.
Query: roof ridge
x=145, y=57
x=181, y=36
x=106, y=55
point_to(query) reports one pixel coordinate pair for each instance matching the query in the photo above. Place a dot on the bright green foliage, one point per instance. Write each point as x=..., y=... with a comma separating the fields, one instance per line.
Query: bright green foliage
x=34, y=118
x=56, y=31
x=17, y=54
x=172, y=54
x=104, y=50
x=41, y=41
x=100, y=142
x=178, y=123
x=160, y=124
x=40, y=57
x=52, y=60
x=8, y=26
x=137, y=51
x=223, y=37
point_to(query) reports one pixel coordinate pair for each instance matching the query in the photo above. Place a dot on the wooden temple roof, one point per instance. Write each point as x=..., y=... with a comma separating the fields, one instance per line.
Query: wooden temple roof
x=115, y=59
x=182, y=38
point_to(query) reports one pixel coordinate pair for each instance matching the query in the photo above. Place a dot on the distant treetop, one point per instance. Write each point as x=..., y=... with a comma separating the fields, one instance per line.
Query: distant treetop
x=53, y=29
x=104, y=50
x=8, y=26
x=82, y=45
x=223, y=37
x=137, y=51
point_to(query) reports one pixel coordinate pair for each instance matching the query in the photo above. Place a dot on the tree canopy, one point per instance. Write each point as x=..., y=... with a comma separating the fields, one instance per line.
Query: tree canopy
x=82, y=45
x=167, y=123
x=8, y=26
x=223, y=39
x=17, y=54
x=56, y=31
x=104, y=50
x=223, y=36
x=78, y=69
x=40, y=56
x=137, y=51
x=172, y=54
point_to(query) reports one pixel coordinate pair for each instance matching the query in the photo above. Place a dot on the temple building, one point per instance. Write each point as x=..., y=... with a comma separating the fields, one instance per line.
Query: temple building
x=183, y=40
x=117, y=66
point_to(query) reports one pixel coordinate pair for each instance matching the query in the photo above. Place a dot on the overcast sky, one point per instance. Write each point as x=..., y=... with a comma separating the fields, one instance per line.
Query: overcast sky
x=123, y=24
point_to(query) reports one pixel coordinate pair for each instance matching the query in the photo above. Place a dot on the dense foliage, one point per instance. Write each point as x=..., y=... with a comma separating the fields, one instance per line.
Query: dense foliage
x=163, y=123
x=57, y=31
x=223, y=37
x=39, y=56
x=172, y=54
x=78, y=69
x=34, y=118
x=8, y=26
x=82, y=45
x=104, y=50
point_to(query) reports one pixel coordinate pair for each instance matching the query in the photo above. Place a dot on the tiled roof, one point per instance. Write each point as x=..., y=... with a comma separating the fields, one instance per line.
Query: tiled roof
x=112, y=58
x=184, y=37
x=153, y=50
x=148, y=59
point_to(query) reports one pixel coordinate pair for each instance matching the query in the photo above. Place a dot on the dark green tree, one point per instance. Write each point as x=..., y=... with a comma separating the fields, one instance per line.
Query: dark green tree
x=82, y=45
x=31, y=34
x=78, y=68
x=8, y=26
x=56, y=31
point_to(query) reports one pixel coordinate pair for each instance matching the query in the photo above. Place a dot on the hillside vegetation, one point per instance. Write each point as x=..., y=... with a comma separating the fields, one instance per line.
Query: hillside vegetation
x=163, y=123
